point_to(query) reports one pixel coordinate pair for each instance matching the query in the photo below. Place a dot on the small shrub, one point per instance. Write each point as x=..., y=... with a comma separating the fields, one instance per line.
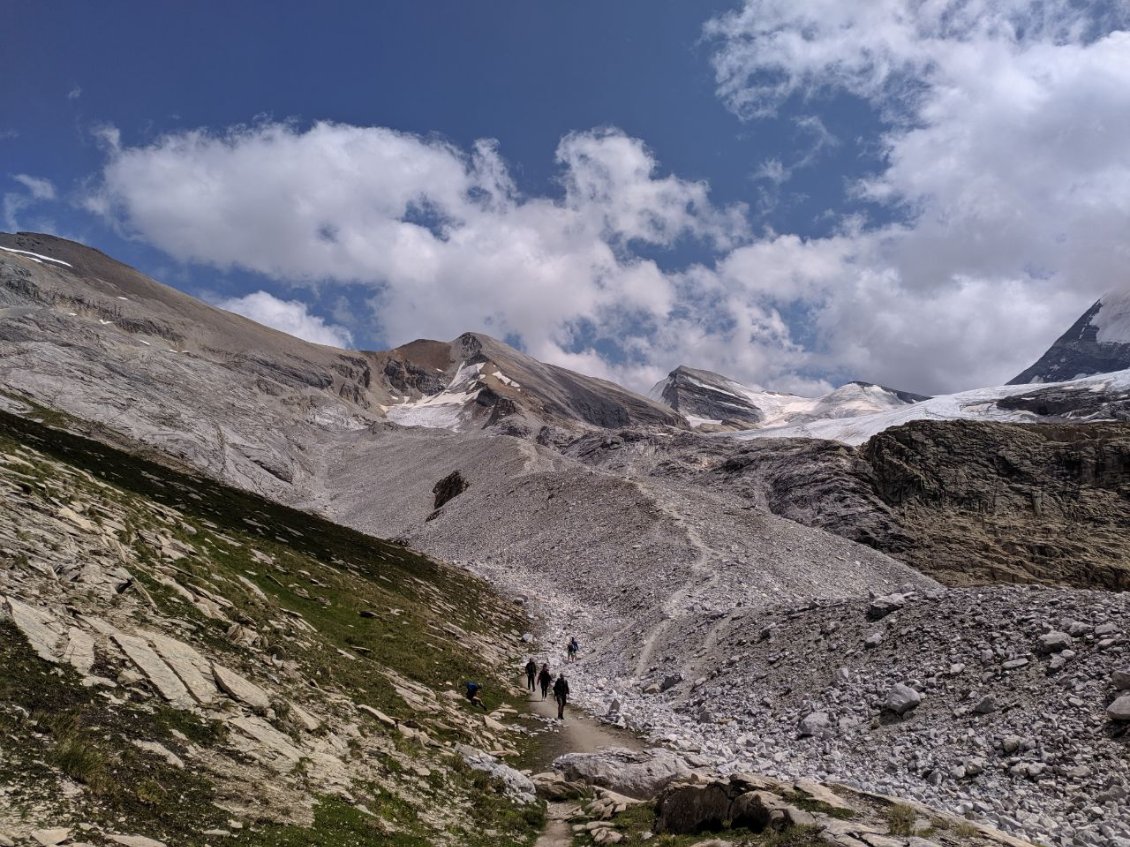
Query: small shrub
x=900, y=819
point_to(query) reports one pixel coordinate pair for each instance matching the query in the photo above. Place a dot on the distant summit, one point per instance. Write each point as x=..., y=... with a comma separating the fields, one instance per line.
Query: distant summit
x=1097, y=343
x=712, y=401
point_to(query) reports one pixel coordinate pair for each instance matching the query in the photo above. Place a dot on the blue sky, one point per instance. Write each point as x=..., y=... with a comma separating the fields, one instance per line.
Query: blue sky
x=791, y=193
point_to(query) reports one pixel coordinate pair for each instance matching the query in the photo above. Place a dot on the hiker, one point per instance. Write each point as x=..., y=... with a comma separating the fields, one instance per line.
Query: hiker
x=473, y=689
x=545, y=679
x=561, y=694
x=572, y=649
x=531, y=672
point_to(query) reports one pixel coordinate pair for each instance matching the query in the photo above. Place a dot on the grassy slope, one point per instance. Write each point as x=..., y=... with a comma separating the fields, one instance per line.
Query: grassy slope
x=326, y=573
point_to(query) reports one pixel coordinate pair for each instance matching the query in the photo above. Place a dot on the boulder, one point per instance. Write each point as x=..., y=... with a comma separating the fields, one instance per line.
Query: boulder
x=880, y=607
x=1121, y=679
x=38, y=627
x=816, y=723
x=190, y=667
x=1053, y=642
x=758, y=810
x=902, y=699
x=639, y=774
x=238, y=688
x=985, y=705
x=516, y=785
x=79, y=652
x=1119, y=710
x=688, y=809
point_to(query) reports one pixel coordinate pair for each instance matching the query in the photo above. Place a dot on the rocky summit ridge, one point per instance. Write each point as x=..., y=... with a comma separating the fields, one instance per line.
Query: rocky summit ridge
x=797, y=606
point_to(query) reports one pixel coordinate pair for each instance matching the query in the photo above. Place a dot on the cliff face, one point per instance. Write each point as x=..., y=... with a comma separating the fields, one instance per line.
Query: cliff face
x=984, y=502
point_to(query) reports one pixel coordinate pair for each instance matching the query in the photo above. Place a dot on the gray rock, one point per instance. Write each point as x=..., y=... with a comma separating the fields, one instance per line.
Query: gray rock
x=817, y=723
x=1119, y=710
x=688, y=809
x=1053, y=642
x=517, y=786
x=880, y=607
x=1121, y=679
x=873, y=640
x=640, y=774
x=241, y=689
x=902, y=699
x=986, y=705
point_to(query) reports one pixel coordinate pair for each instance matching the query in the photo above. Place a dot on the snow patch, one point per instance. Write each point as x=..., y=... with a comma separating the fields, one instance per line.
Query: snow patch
x=1113, y=319
x=36, y=257
x=980, y=404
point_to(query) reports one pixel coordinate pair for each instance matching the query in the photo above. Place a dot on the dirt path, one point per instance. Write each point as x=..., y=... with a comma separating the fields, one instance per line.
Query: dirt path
x=578, y=733
x=704, y=573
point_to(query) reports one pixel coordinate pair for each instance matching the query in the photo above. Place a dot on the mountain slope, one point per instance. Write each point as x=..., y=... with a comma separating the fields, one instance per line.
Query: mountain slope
x=1099, y=342
x=91, y=336
x=184, y=662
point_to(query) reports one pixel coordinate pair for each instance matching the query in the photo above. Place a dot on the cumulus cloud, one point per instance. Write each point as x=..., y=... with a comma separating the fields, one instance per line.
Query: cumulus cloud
x=290, y=316
x=1005, y=172
x=444, y=238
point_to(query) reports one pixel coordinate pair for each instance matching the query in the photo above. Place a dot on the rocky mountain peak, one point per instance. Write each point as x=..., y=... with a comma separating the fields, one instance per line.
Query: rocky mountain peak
x=1098, y=342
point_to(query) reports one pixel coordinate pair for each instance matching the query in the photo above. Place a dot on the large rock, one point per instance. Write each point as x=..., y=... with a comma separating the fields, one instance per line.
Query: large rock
x=79, y=652
x=1121, y=679
x=816, y=723
x=159, y=674
x=880, y=607
x=1119, y=710
x=190, y=667
x=238, y=688
x=640, y=774
x=902, y=699
x=516, y=784
x=1054, y=642
x=687, y=809
x=38, y=627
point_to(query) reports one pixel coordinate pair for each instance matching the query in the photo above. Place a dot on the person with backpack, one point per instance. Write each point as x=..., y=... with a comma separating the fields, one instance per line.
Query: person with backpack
x=545, y=679
x=572, y=649
x=531, y=672
x=561, y=694
x=473, y=689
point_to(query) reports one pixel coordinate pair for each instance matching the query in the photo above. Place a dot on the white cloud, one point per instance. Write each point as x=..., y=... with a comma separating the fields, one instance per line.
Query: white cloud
x=1004, y=160
x=442, y=236
x=38, y=187
x=289, y=316
x=34, y=190
x=74, y=93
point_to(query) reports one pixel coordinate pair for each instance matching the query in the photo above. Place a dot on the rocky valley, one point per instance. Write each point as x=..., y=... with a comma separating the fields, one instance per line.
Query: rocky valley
x=908, y=597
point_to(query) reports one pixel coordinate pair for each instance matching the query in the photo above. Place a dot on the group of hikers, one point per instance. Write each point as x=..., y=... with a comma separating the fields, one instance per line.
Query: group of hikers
x=535, y=679
x=544, y=679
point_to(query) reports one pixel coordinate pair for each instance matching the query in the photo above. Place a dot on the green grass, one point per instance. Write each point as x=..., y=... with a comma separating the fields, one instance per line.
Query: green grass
x=900, y=819
x=809, y=804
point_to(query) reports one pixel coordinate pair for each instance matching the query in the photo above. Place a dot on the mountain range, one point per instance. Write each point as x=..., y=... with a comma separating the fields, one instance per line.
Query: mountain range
x=680, y=535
